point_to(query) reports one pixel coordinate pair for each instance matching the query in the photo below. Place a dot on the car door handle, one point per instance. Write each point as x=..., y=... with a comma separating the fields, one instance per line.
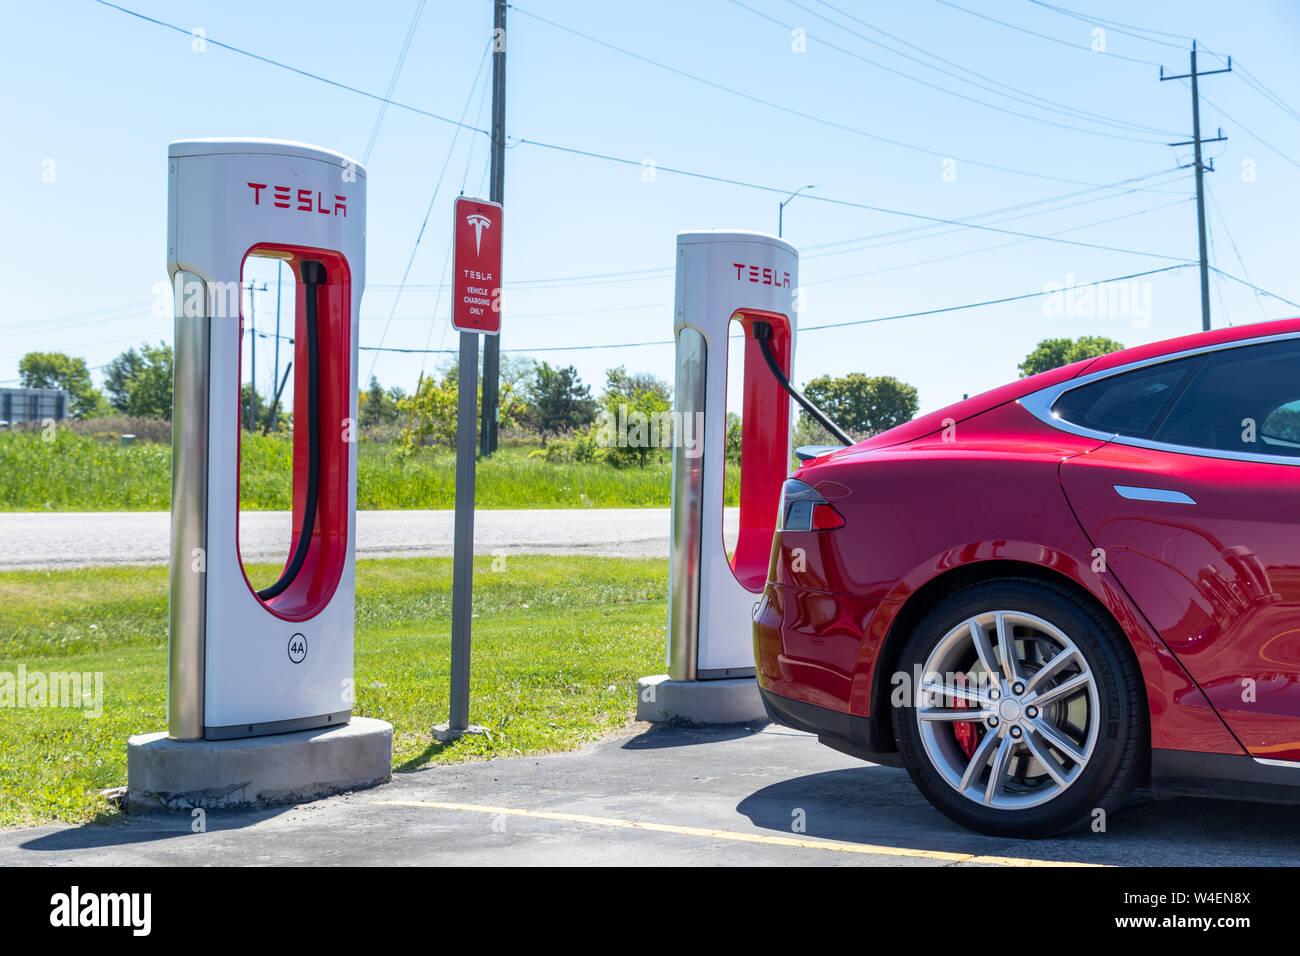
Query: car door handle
x=1138, y=493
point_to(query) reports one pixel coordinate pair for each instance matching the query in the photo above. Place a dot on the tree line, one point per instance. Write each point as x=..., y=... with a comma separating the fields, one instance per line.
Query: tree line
x=546, y=404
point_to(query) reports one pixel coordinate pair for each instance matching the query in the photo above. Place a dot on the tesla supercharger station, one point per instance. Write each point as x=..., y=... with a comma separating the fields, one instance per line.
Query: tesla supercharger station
x=750, y=278
x=247, y=661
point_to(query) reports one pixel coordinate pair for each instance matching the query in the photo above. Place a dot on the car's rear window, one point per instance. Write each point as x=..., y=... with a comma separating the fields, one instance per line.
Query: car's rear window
x=1132, y=404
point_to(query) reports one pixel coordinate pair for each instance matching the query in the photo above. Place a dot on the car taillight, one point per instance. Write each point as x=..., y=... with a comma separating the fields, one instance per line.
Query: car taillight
x=803, y=509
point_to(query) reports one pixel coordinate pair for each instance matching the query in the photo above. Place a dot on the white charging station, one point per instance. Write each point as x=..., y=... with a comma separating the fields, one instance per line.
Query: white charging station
x=247, y=661
x=728, y=283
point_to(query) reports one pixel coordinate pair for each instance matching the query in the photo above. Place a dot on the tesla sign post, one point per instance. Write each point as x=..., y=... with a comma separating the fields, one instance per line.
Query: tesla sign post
x=477, y=284
x=475, y=311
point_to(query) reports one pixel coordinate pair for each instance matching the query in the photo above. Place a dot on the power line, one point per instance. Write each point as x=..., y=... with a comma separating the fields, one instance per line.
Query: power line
x=1237, y=252
x=1248, y=131
x=469, y=159
x=293, y=69
x=795, y=112
x=392, y=83
x=945, y=232
x=638, y=275
x=857, y=275
x=1124, y=28
x=933, y=86
x=814, y=197
x=1043, y=36
x=1002, y=245
x=831, y=325
x=429, y=209
x=988, y=302
x=461, y=124
x=1251, y=285
x=1022, y=96
x=814, y=328
x=1255, y=83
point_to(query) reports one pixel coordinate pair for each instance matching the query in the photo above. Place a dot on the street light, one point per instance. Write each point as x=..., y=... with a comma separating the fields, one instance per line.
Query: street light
x=780, y=216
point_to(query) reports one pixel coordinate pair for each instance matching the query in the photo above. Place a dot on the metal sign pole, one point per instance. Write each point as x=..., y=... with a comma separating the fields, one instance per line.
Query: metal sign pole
x=476, y=284
x=462, y=575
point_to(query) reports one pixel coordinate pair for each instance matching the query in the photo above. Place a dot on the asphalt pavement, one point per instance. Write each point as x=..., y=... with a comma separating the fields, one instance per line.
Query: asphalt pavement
x=654, y=795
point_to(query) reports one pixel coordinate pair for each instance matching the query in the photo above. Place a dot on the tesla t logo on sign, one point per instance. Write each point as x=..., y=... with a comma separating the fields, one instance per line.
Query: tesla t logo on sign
x=476, y=285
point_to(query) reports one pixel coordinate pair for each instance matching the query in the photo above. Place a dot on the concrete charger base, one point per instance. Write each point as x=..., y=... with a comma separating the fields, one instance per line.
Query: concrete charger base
x=165, y=774
x=733, y=700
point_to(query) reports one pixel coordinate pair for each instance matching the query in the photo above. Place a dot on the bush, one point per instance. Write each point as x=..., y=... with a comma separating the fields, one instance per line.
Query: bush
x=113, y=427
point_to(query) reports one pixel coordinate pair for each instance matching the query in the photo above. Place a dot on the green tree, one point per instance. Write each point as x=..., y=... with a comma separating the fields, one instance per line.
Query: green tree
x=57, y=370
x=430, y=414
x=735, y=437
x=633, y=408
x=151, y=388
x=118, y=375
x=558, y=401
x=864, y=405
x=140, y=383
x=1053, y=353
x=252, y=407
x=378, y=405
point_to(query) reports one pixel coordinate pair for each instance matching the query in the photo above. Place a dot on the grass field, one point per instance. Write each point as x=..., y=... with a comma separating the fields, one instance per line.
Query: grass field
x=79, y=473
x=558, y=646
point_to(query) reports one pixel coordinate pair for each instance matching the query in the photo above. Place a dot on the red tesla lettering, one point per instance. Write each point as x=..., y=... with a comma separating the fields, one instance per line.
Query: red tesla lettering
x=767, y=276
x=753, y=273
x=284, y=197
x=738, y=266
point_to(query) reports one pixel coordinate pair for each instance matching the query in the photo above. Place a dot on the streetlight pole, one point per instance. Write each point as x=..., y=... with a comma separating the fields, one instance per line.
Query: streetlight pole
x=780, y=216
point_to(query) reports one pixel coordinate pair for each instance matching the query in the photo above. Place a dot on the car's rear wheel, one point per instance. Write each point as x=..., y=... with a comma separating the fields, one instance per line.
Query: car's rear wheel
x=1029, y=716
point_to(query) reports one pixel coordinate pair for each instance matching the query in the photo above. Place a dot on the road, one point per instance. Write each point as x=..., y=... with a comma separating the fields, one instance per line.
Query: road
x=656, y=795
x=55, y=540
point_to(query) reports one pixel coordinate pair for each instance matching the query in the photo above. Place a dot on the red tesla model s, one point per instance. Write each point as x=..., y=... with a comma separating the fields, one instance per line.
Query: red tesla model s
x=1047, y=594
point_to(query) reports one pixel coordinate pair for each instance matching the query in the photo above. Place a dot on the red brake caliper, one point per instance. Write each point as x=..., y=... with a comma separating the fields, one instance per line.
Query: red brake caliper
x=964, y=730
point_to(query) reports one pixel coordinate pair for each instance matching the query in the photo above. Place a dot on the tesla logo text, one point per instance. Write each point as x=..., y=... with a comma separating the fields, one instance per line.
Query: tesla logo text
x=479, y=223
x=763, y=275
x=303, y=200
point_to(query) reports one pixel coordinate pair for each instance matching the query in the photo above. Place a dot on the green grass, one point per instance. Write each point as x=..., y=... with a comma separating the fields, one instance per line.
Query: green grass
x=558, y=646
x=80, y=473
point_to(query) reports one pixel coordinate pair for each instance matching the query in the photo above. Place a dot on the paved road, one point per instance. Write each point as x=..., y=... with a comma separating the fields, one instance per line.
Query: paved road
x=656, y=795
x=43, y=541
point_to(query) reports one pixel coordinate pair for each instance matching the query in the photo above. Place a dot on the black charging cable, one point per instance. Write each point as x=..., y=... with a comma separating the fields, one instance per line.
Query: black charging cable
x=763, y=332
x=312, y=275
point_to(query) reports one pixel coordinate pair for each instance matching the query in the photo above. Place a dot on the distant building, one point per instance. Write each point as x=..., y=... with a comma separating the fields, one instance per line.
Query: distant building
x=18, y=405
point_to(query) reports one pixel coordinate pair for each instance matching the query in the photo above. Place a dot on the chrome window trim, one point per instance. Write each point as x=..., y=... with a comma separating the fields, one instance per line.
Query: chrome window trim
x=1039, y=404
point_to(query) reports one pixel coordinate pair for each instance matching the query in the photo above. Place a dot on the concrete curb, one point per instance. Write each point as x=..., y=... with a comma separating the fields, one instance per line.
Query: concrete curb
x=731, y=701
x=166, y=774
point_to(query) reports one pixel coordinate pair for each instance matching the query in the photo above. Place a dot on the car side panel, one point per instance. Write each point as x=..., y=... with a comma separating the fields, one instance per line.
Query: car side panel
x=1218, y=578
x=987, y=491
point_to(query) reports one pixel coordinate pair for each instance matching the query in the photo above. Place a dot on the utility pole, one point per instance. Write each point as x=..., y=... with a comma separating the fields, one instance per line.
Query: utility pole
x=252, y=349
x=492, y=343
x=275, y=408
x=1200, y=167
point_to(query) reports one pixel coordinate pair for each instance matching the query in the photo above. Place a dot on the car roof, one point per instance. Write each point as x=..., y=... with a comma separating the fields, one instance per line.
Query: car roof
x=1185, y=343
x=977, y=404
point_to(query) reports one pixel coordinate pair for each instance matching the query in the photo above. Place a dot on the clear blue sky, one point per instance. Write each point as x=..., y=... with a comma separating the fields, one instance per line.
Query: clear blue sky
x=100, y=93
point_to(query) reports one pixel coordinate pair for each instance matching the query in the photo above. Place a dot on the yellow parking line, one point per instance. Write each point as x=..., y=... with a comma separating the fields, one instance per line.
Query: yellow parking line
x=734, y=835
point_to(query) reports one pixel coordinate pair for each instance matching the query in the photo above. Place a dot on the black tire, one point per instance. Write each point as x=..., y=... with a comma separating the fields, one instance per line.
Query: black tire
x=1121, y=750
